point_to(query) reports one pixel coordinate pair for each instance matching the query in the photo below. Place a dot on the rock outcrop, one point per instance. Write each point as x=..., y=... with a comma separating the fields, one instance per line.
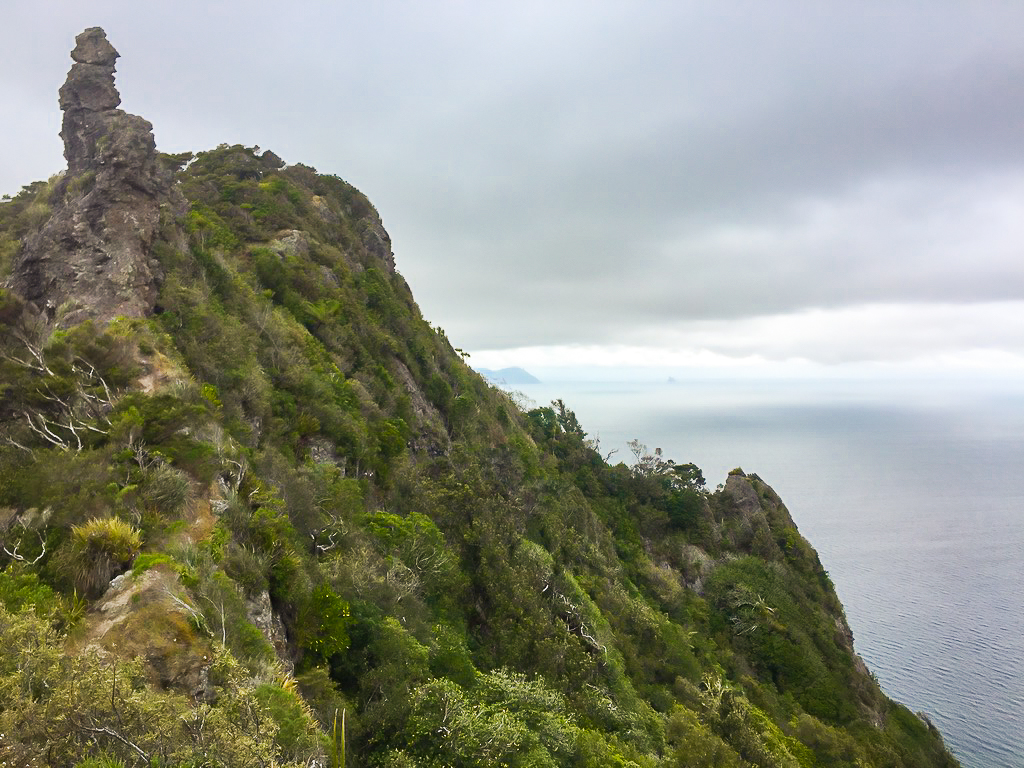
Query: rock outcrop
x=92, y=258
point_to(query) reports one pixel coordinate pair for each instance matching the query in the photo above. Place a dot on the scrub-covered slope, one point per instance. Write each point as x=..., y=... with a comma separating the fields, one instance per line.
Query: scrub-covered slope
x=260, y=512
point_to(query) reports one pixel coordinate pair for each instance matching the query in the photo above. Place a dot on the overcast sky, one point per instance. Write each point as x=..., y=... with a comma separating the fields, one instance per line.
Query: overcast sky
x=646, y=183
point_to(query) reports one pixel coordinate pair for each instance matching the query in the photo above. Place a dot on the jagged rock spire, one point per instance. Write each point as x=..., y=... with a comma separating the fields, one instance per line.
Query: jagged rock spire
x=98, y=136
x=91, y=259
x=89, y=88
x=90, y=83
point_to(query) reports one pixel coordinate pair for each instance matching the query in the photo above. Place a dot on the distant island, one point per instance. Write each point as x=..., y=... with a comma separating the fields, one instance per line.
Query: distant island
x=508, y=376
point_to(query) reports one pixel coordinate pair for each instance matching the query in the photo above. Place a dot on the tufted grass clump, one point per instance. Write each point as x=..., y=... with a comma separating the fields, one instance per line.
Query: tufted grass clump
x=165, y=491
x=99, y=550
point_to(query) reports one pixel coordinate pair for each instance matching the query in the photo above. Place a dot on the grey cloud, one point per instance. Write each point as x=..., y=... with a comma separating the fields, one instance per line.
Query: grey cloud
x=592, y=172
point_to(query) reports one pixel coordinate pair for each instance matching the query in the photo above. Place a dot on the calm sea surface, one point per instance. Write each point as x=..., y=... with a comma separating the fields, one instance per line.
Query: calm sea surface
x=913, y=496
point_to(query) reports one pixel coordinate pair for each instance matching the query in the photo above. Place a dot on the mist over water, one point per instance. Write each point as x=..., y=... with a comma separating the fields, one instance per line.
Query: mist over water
x=912, y=493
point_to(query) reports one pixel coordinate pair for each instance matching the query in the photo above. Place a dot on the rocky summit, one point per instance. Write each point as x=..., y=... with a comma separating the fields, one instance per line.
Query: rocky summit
x=92, y=258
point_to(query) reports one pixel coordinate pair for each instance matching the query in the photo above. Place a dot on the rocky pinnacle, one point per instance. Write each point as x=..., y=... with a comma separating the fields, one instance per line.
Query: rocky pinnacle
x=89, y=90
x=92, y=258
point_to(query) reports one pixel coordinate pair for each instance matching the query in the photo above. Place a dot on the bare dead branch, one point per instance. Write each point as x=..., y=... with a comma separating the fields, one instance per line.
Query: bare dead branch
x=115, y=735
x=196, y=615
x=11, y=441
x=44, y=432
x=94, y=375
x=325, y=547
x=33, y=349
x=71, y=427
x=223, y=619
x=13, y=554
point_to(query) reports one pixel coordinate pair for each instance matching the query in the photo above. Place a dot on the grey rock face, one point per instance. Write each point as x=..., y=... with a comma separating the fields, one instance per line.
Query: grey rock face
x=378, y=242
x=90, y=83
x=92, y=47
x=92, y=258
x=261, y=614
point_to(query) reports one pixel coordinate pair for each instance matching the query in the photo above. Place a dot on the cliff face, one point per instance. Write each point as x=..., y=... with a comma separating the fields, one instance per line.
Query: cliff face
x=92, y=259
x=271, y=492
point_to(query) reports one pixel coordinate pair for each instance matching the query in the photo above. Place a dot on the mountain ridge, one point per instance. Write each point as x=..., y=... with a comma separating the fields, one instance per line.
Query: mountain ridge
x=247, y=490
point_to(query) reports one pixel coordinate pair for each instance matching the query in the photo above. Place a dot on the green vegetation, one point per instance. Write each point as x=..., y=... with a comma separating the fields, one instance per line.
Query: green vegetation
x=339, y=543
x=20, y=216
x=98, y=550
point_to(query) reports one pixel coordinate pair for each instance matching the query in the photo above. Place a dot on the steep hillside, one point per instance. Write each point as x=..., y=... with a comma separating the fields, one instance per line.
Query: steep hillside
x=255, y=510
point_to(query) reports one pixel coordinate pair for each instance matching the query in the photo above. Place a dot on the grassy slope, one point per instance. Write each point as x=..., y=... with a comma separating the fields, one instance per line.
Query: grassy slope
x=335, y=513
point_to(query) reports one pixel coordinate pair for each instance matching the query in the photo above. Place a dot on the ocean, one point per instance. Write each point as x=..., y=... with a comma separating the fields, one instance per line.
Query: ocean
x=912, y=492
